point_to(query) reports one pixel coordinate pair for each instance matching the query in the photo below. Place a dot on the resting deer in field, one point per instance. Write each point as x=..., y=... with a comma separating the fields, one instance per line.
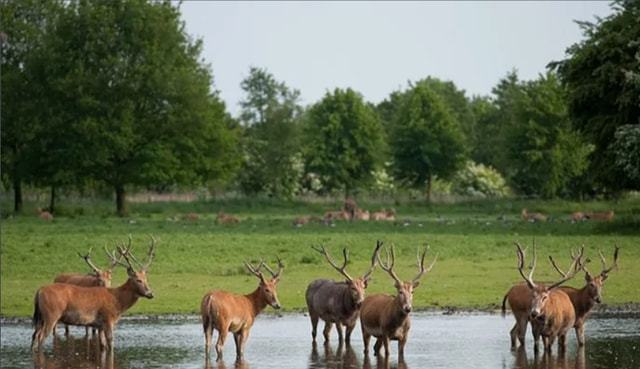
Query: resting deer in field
x=551, y=312
x=362, y=214
x=533, y=217
x=224, y=218
x=338, y=302
x=584, y=299
x=606, y=216
x=98, y=307
x=384, y=214
x=99, y=278
x=577, y=216
x=44, y=214
x=226, y=311
x=387, y=317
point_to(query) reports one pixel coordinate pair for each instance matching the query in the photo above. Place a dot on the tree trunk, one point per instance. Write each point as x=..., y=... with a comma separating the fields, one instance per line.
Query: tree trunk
x=52, y=200
x=121, y=205
x=17, y=196
x=429, y=189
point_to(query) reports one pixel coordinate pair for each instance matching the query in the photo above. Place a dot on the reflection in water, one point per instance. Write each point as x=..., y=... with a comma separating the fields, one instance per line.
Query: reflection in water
x=74, y=353
x=549, y=361
x=384, y=363
x=343, y=358
x=238, y=364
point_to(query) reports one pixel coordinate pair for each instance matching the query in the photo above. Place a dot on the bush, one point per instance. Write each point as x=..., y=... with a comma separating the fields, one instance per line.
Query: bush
x=478, y=180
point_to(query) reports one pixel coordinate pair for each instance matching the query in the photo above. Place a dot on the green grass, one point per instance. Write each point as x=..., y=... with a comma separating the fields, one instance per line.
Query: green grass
x=476, y=262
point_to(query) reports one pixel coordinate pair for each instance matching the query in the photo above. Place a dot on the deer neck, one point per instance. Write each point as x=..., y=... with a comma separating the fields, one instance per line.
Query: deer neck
x=348, y=303
x=257, y=300
x=126, y=295
x=398, y=315
x=582, y=302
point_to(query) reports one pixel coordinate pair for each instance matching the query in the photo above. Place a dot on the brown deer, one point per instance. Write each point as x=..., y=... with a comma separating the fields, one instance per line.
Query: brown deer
x=330, y=216
x=338, y=302
x=226, y=311
x=98, y=307
x=384, y=214
x=192, y=217
x=224, y=218
x=387, y=317
x=99, y=278
x=533, y=217
x=350, y=207
x=519, y=297
x=44, y=214
x=551, y=312
x=305, y=219
x=362, y=214
x=605, y=216
x=584, y=299
x=577, y=216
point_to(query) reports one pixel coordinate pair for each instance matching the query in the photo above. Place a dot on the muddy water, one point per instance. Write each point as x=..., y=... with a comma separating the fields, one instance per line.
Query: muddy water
x=436, y=341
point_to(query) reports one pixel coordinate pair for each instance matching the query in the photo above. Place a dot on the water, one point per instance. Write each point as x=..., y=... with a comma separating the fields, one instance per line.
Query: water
x=436, y=341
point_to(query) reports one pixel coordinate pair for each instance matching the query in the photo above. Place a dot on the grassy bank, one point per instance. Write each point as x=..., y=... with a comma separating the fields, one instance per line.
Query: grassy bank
x=476, y=262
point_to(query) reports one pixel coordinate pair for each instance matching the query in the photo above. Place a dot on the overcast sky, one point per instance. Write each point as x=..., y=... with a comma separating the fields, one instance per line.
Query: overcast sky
x=375, y=48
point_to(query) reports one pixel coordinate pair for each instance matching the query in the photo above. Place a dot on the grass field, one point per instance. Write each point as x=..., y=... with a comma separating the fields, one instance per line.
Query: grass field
x=473, y=240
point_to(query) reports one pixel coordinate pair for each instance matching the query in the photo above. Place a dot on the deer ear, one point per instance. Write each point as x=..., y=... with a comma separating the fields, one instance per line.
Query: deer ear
x=604, y=276
x=366, y=283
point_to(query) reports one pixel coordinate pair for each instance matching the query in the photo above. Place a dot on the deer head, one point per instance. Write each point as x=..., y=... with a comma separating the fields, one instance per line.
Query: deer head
x=139, y=277
x=268, y=287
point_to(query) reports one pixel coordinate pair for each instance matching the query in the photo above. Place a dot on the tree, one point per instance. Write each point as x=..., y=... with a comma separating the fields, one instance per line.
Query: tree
x=426, y=139
x=135, y=101
x=542, y=152
x=485, y=140
x=344, y=141
x=626, y=148
x=603, y=92
x=25, y=24
x=270, y=113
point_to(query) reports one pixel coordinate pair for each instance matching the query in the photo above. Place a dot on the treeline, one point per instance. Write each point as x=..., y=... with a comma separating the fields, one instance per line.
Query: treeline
x=116, y=95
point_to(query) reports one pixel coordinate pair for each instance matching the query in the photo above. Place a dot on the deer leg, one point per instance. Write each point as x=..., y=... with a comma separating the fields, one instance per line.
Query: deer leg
x=66, y=330
x=535, y=331
x=562, y=343
x=385, y=342
x=340, y=335
x=366, y=337
x=580, y=334
x=208, y=332
x=314, y=326
x=376, y=346
x=326, y=331
x=222, y=336
x=401, y=342
x=108, y=335
x=347, y=335
x=521, y=330
x=237, y=339
x=243, y=340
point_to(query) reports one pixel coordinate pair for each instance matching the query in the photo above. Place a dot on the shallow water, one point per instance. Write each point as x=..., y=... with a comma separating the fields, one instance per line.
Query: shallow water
x=436, y=341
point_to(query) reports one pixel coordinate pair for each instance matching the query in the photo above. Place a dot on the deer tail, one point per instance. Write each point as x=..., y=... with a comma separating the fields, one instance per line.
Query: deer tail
x=208, y=312
x=504, y=305
x=37, y=314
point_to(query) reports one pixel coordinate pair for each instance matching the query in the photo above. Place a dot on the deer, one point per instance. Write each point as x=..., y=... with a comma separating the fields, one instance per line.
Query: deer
x=338, y=302
x=99, y=278
x=605, y=216
x=223, y=218
x=585, y=298
x=577, y=216
x=44, y=214
x=99, y=307
x=192, y=217
x=330, y=216
x=551, y=312
x=305, y=219
x=384, y=214
x=350, y=206
x=533, y=217
x=387, y=317
x=361, y=214
x=227, y=311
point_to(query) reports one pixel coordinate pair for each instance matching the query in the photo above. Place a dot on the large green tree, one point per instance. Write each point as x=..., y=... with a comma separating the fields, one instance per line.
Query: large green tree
x=24, y=25
x=134, y=98
x=603, y=92
x=542, y=153
x=426, y=139
x=344, y=141
x=270, y=114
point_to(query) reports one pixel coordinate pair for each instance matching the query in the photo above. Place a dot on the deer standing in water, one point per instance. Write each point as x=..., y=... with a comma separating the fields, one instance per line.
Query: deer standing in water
x=226, y=311
x=585, y=298
x=551, y=312
x=99, y=278
x=338, y=302
x=387, y=317
x=98, y=307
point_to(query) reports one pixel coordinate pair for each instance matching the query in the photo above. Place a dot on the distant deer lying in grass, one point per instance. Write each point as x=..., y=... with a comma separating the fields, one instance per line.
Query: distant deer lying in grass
x=224, y=218
x=305, y=219
x=99, y=278
x=577, y=216
x=533, y=217
x=98, y=307
x=387, y=317
x=44, y=214
x=385, y=214
x=331, y=216
x=605, y=216
x=226, y=311
x=193, y=217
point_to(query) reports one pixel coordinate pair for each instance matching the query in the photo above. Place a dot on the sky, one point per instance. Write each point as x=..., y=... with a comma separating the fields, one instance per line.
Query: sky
x=377, y=47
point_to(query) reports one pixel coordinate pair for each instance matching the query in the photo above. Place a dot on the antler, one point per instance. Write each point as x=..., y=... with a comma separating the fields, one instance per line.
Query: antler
x=341, y=269
x=520, y=254
x=375, y=257
x=423, y=271
x=126, y=253
x=280, y=268
x=606, y=270
x=575, y=267
x=255, y=271
x=150, y=254
x=388, y=267
x=87, y=259
x=574, y=256
x=112, y=258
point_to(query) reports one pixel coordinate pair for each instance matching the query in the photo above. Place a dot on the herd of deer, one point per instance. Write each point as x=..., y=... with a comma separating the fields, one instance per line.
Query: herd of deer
x=89, y=301
x=575, y=217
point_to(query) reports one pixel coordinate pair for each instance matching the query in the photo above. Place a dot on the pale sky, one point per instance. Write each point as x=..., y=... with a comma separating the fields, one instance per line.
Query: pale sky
x=376, y=47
